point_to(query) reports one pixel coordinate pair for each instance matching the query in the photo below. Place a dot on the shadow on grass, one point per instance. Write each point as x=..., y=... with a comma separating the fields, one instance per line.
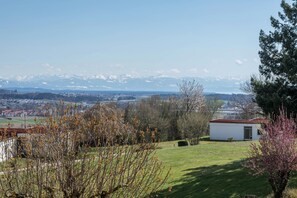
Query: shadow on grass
x=229, y=180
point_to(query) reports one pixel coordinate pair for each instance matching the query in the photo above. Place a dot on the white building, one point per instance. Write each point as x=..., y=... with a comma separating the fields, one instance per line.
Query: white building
x=223, y=129
x=7, y=149
x=9, y=141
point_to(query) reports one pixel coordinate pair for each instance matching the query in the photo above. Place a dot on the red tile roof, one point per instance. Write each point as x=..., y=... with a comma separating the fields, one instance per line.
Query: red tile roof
x=250, y=121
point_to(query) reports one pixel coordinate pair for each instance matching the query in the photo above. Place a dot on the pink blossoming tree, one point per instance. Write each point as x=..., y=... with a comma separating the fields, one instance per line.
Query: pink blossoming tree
x=276, y=153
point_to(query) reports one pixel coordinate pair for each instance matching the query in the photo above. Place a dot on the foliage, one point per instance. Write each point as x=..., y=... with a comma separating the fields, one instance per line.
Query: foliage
x=276, y=86
x=154, y=113
x=194, y=113
x=84, y=155
x=245, y=103
x=213, y=104
x=192, y=125
x=204, y=138
x=276, y=155
x=194, y=141
x=185, y=116
x=191, y=96
x=247, y=108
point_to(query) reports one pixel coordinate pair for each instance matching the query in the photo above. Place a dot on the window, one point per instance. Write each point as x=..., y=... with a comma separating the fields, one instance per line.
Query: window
x=259, y=132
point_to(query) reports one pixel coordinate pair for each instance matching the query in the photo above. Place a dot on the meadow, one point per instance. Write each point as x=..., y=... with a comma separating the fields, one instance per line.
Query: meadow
x=211, y=169
x=18, y=121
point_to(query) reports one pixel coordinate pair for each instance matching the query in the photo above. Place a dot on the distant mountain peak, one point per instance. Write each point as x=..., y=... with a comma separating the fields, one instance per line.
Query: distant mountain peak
x=118, y=82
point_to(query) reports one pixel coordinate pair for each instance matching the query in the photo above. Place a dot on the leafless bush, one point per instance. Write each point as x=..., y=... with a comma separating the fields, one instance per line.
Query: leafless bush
x=83, y=155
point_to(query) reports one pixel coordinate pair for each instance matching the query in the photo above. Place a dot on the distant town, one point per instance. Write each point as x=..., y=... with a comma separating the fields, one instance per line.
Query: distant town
x=27, y=105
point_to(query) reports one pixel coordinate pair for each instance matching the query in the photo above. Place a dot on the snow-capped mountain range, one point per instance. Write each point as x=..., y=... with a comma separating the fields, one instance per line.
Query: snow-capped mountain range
x=117, y=83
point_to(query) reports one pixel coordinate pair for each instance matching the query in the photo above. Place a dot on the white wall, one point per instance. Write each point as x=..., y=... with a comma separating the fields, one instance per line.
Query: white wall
x=7, y=149
x=223, y=131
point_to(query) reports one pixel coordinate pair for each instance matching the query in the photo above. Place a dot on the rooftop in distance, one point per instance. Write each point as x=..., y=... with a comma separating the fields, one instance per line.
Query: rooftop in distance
x=241, y=121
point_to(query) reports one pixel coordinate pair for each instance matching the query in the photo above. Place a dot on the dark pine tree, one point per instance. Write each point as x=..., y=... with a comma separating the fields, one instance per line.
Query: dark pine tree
x=277, y=84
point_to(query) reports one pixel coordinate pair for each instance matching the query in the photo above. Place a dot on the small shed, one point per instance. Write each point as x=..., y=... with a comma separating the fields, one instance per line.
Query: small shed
x=224, y=129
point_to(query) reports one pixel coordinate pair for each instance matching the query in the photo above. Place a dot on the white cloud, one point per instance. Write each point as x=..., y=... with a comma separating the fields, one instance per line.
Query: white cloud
x=176, y=71
x=51, y=69
x=21, y=78
x=193, y=70
x=100, y=76
x=113, y=77
x=205, y=70
x=168, y=73
x=161, y=73
x=256, y=60
x=133, y=74
x=117, y=66
x=239, y=62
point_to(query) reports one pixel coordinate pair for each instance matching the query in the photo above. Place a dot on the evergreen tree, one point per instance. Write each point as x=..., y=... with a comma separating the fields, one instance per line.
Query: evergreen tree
x=277, y=85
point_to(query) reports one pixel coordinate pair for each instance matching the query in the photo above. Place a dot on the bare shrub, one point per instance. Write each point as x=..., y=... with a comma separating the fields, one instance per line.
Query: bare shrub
x=84, y=155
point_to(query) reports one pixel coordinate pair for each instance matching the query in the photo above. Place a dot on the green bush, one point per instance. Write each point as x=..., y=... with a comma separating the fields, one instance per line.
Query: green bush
x=194, y=141
x=183, y=143
x=290, y=192
x=230, y=139
x=204, y=138
x=249, y=196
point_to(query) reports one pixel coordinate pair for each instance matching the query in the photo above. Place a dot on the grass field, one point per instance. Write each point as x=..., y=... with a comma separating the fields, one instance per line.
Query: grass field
x=211, y=169
x=17, y=121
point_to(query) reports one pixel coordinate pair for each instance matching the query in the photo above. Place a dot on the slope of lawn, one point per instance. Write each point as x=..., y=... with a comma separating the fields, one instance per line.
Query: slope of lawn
x=18, y=121
x=210, y=169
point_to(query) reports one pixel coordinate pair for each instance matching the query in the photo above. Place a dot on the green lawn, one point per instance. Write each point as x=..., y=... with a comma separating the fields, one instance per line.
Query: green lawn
x=211, y=169
x=18, y=121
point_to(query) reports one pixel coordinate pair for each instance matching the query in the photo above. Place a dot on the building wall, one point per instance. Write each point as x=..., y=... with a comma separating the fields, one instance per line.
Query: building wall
x=223, y=131
x=7, y=149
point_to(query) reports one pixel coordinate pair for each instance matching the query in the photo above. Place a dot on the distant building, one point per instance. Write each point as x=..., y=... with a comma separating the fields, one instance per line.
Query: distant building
x=224, y=129
x=7, y=149
x=9, y=140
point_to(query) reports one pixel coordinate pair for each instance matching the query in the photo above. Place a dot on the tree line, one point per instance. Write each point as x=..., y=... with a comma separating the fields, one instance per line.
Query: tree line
x=179, y=117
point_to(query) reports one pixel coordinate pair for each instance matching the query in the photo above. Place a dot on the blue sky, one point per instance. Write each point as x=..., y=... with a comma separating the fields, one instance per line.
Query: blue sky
x=140, y=38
